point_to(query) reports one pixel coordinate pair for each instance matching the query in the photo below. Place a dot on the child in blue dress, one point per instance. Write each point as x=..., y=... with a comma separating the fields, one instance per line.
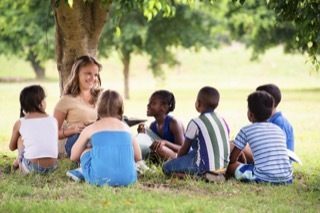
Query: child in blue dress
x=106, y=149
x=167, y=133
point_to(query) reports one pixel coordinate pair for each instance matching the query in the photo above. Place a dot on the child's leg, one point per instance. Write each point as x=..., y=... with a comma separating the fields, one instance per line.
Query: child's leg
x=184, y=164
x=246, y=154
x=18, y=160
x=166, y=153
x=231, y=169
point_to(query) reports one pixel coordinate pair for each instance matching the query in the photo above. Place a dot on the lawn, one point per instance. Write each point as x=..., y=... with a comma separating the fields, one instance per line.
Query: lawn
x=230, y=71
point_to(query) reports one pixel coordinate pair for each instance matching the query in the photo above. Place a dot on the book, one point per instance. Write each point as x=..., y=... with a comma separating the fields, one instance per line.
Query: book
x=293, y=157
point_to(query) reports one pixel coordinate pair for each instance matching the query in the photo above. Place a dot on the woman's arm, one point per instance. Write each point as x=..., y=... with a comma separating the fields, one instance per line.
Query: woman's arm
x=15, y=136
x=66, y=132
x=60, y=116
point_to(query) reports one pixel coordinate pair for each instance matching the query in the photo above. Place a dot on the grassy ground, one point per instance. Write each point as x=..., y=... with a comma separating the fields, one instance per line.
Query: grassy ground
x=235, y=76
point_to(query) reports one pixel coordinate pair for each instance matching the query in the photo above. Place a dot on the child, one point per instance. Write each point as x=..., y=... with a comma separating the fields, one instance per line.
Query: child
x=166, y=132
x=110, y=157
x=208, y=136
x=276, y=117
x=35, y=134
x=267, y=142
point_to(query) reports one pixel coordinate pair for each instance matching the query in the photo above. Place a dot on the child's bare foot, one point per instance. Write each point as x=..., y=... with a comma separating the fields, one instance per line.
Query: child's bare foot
x=15, y=164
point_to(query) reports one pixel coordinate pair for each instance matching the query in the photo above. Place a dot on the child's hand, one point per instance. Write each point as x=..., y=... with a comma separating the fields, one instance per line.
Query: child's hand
x=157, y=145
x=141, y=128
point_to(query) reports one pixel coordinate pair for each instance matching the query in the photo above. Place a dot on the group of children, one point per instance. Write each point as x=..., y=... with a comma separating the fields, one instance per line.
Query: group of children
x=108, y=152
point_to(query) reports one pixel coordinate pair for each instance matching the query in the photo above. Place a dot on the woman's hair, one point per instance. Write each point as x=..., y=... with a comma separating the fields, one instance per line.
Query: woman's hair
x=166, y=98
x=31, y=98
x=260, y=104
x=209, y=97
x=110, y=104
x=72, y=87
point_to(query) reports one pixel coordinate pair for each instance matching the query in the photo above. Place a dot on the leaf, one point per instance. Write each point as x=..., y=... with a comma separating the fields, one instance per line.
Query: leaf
x=118, y=32
x=70, y=3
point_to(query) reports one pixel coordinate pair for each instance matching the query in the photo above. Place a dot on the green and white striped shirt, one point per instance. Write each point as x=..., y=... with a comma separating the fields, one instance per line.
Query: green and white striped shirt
x=210, y=138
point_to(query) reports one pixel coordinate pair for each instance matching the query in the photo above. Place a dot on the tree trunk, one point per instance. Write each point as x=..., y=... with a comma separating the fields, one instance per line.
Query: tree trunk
x=37, y=68
x=126, y=66
x=78, y=30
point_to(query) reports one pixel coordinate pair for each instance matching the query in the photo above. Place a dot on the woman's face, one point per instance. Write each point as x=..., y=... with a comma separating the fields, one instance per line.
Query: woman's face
x=88, y=76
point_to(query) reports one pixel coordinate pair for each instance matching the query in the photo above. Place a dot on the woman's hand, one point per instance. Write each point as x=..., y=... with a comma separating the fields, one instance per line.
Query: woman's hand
x=77, y=128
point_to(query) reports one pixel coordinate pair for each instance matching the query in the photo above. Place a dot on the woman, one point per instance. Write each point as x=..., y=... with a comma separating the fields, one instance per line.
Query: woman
x=76, y=108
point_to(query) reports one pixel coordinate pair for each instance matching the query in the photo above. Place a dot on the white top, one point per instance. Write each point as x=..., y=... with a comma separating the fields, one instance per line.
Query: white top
x=40, y=137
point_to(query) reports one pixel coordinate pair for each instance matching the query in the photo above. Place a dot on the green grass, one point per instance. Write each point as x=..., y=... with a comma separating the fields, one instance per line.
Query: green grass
x=228, y=69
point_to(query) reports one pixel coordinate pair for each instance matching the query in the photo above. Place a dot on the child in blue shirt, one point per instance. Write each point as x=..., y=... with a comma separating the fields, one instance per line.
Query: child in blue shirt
x=276, y=116
x=267, y=142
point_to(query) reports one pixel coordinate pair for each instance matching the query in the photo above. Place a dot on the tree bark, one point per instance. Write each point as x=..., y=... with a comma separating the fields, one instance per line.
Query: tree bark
x=78, y=30
x=126, y=66
x=37, y=68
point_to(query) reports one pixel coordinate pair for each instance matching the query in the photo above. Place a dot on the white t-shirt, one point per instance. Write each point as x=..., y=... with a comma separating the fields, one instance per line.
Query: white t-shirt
x=40, y=137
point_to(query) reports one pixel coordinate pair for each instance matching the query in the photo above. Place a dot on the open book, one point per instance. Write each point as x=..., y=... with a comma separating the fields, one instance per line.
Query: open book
x=294, y=157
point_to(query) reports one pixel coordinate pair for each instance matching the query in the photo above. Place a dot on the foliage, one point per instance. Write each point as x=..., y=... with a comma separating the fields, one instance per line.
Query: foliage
x=294, y=23
x=26, y=30
x=187, y=28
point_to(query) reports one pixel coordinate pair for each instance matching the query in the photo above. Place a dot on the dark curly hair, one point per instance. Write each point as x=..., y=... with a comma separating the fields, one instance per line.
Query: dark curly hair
x=260, y=104
x=31, y=98
x=166, y=97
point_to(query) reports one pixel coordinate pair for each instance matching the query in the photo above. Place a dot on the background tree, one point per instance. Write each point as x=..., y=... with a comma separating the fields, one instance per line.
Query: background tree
x=27, y=31
x=187, y=27
x=262, y=24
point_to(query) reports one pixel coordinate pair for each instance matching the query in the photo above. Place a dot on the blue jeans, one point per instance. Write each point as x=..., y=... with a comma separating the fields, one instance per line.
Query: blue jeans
x=184, y=164
x=28, y=166
x=70, y=142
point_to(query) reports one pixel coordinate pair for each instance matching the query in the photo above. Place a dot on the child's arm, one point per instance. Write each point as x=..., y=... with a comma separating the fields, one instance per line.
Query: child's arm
x=234, y=156
x=233, y=164
x=80, y=145
x=184, y=148
x=15, y=136
x=136, y=150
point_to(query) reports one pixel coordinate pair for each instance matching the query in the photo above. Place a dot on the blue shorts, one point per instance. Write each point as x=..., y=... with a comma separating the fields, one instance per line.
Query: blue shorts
x=245, y=173
x=28, y=167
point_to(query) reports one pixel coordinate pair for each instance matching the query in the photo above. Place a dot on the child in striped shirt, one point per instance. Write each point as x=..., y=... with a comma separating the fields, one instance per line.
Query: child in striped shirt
x=267, y=142
x=208, y=135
